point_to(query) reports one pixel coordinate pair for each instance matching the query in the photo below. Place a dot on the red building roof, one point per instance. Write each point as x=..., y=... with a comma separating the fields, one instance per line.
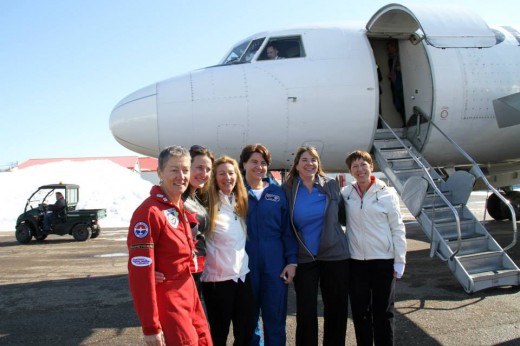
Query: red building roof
x=148, y=164
x=140, y=164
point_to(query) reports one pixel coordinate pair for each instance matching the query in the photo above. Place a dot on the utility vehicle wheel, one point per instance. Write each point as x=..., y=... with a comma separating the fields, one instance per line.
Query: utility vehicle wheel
x=81, y=232
x=23, y=233
x=494, y=207
x=95, y=234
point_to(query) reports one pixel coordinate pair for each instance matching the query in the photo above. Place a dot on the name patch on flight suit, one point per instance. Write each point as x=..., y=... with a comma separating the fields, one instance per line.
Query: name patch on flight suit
x=141, y=230
x=172, y=215
x=141, y=261
x=272, y=198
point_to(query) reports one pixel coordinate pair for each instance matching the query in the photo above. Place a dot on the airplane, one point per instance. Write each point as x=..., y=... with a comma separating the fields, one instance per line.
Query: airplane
x=459, y=75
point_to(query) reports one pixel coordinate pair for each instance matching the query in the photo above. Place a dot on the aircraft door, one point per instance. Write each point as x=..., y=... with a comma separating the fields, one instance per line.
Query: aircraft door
x=420, y=28
x=417, y=89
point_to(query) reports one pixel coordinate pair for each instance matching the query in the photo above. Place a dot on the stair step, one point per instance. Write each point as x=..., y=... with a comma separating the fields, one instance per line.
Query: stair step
x=432, y=199
x=448, y=229
x=391, y=143
x=483, y=262
x=443, y=213
x=394, y=153
x=495, y=275
x=470, y=245
x=402, y=163
x=386, y=134
x=404, y=174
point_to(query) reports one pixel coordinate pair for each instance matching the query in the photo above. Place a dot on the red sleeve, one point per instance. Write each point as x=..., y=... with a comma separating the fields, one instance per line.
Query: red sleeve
x=143, y=234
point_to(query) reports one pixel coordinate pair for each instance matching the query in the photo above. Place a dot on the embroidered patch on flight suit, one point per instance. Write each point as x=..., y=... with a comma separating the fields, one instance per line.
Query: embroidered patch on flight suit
x=141, y=229
x=142, y=246
x=172, y=215
x=141, y=261
x=272, y=198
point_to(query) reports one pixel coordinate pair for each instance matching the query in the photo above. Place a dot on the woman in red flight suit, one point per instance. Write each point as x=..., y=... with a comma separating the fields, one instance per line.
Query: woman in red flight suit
x=159, y=238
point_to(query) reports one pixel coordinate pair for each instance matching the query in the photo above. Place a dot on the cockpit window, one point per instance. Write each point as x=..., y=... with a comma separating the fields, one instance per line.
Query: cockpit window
x=244, y=52
x=282, y=48
x=499, y=36
x=236, y=53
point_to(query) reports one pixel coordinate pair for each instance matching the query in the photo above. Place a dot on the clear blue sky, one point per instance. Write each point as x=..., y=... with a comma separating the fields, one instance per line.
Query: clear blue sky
x=64, y=64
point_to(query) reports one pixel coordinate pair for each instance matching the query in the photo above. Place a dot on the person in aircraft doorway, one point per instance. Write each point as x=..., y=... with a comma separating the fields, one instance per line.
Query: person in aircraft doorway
x=396, y=78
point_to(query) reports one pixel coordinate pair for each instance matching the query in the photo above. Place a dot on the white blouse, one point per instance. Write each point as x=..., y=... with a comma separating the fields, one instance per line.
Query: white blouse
x=226, y=257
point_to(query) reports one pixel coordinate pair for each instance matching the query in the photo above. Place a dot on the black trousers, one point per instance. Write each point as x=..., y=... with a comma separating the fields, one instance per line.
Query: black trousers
x=196, y=277
x=226, y=302
x=372, y=296
x=332, y=278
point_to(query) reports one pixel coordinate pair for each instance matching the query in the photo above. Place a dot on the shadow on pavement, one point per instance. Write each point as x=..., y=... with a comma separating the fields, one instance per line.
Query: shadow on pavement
x=66, y=312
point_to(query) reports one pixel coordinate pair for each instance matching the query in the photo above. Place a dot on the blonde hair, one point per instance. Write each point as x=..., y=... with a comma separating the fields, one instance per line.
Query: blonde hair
x=239, y=191
x=293, y=173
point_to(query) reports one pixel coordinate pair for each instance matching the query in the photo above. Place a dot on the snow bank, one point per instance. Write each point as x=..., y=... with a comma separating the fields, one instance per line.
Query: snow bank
x=103, y=184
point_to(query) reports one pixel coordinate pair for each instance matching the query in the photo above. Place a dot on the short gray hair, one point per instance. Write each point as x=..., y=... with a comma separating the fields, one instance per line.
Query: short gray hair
x=172, y=151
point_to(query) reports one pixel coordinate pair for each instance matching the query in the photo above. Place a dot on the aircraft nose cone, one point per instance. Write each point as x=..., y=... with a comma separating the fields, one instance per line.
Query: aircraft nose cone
x=133, y=121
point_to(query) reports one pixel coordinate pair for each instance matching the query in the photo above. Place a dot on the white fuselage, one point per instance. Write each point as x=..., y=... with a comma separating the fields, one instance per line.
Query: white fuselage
x=328, y=96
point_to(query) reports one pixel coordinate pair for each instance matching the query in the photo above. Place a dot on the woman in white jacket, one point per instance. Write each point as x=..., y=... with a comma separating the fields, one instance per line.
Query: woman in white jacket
x=226, y=285
x=377, y=244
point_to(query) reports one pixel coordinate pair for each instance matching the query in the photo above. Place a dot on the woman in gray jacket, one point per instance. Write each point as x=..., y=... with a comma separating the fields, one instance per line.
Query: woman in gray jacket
x=323, y=258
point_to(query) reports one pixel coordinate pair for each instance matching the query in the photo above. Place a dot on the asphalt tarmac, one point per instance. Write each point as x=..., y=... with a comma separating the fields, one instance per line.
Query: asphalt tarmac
x=63, y=292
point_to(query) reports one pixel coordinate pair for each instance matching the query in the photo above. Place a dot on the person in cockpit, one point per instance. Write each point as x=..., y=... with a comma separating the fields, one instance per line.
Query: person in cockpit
x=272, y=52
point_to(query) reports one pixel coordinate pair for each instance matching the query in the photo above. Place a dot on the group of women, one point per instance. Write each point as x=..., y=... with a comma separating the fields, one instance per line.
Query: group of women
x=228, y=234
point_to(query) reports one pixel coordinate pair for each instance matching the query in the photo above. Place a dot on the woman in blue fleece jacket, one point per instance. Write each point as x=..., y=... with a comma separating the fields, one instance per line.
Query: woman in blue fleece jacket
x=316, y=211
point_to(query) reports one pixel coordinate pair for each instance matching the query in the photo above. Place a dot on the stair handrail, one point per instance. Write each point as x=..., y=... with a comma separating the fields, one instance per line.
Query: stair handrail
x=435, y=188
x=476, y=171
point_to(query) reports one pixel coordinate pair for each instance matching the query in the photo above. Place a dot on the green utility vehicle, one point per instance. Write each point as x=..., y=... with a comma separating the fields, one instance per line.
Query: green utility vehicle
x=81, y=224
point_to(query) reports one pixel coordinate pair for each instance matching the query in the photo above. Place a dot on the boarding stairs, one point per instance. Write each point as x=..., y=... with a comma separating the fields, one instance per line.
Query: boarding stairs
x=456, y=236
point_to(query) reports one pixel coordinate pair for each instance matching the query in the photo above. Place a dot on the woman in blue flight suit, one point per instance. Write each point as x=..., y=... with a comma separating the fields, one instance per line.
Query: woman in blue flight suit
x=271, y=245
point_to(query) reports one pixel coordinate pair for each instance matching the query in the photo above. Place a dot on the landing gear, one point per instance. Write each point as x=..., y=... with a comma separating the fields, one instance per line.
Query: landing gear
x=514, y=198
x=498, y=210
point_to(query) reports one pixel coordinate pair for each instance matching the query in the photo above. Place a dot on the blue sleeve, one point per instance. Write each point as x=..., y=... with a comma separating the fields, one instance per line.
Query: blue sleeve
x=290, y=244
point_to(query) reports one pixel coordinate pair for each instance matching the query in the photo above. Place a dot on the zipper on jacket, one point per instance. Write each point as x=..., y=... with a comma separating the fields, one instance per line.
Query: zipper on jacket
x=294, y=227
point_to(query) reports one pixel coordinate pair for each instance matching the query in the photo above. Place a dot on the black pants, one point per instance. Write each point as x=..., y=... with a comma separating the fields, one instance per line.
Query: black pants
x=226, y=302
x=196, y=278
x=372, y=296
x=332, y=278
